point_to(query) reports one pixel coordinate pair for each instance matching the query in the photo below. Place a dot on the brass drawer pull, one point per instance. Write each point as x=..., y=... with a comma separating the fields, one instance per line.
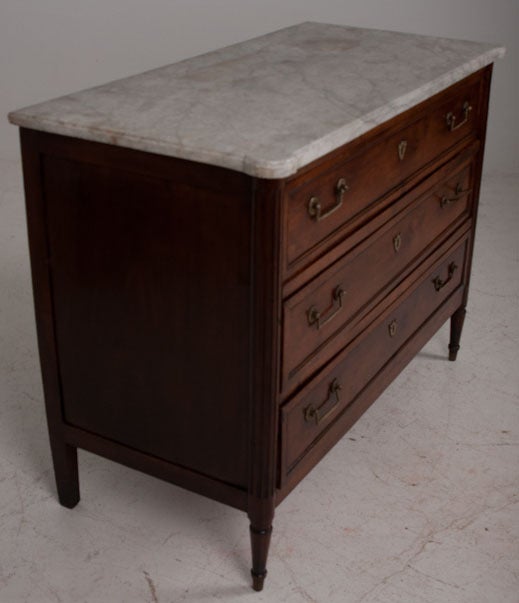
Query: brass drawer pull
x=314, y=205
x=450, y=118
x=316, y=318
x=392, y=327
x=458, y=193
x=314, y=414
x=439, y=283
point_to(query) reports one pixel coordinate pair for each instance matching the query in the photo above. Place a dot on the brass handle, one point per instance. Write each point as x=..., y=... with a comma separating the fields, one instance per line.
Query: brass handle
x=450, y=118
x=316, y=318
x=314, y=205
x=314, y=414
x=458, y=193
x=439, y=283
x=391, y=327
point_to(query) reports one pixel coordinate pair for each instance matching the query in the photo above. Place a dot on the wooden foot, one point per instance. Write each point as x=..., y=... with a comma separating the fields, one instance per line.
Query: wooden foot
x=260, y=542
x=64, y=458
x=457, y=320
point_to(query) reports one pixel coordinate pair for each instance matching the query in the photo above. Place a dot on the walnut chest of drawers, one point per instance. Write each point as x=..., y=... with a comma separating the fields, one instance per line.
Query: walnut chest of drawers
x=234, y=255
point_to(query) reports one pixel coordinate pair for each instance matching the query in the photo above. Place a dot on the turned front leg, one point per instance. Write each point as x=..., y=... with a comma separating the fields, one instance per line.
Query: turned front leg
x=260, y=532
x=260, y=542
x=457, y=320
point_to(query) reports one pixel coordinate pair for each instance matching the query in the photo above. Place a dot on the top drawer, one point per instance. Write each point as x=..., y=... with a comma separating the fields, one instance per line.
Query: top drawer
x=323, y=200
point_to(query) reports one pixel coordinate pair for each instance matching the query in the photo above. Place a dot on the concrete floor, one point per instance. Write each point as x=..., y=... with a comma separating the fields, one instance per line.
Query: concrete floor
x=417, y=504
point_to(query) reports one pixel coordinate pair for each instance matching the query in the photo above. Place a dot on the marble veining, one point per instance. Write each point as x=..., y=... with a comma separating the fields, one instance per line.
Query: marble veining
x=270, y=105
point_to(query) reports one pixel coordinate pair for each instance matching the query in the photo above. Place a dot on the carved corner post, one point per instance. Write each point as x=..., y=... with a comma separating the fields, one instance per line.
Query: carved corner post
x=264, y=377
x=64, y=456
x=458, y=318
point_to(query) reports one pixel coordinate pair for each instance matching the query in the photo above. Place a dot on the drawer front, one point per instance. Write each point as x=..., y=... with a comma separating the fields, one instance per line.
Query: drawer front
x=317, y=320
x=305, y=418
x=324, y=201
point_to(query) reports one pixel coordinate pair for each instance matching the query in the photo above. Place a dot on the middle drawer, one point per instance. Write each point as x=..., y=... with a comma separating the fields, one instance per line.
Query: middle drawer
x=317, y=320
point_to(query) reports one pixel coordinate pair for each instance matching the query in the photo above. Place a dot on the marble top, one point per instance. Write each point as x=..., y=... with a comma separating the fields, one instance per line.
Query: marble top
x=270, y=105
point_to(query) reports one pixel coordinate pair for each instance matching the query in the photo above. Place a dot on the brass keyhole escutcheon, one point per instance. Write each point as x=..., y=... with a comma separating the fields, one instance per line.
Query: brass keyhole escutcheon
x=397, y=242
x=402, y=148
x=392, y=326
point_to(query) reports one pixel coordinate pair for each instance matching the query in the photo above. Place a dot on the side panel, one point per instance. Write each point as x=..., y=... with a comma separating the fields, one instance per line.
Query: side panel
x=150, y=284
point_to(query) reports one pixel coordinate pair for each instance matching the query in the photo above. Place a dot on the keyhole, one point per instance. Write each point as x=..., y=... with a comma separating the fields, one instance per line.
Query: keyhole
x=402, y=148
x=392, y=328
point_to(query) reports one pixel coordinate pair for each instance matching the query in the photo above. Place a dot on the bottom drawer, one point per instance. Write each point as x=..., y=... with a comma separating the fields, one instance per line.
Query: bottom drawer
x=306, y=417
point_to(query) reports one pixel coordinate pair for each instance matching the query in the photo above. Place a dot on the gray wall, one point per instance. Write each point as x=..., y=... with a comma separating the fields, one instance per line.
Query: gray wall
x=53, y=47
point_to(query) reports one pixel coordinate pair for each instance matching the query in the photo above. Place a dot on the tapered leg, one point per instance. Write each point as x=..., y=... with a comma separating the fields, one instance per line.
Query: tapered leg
x=261, y=514
x=64, y=458
x=260, y=542
x=457, y=320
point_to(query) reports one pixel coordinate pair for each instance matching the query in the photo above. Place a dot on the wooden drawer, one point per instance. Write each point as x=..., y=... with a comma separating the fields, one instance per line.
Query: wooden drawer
x=317, y=320
x=315, y=206
x=305, y=418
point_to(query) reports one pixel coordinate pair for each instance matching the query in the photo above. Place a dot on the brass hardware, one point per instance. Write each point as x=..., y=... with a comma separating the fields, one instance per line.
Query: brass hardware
x=314, y=414
x=314, y=205
x=397, y=242
x=315, y=317
x=391, y=327
x=439, y=283
x=450, y=118
x=402, y=148
x=458, y=193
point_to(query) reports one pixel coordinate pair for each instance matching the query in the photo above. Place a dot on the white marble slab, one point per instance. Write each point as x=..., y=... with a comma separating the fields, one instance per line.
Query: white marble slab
x=270, y=105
